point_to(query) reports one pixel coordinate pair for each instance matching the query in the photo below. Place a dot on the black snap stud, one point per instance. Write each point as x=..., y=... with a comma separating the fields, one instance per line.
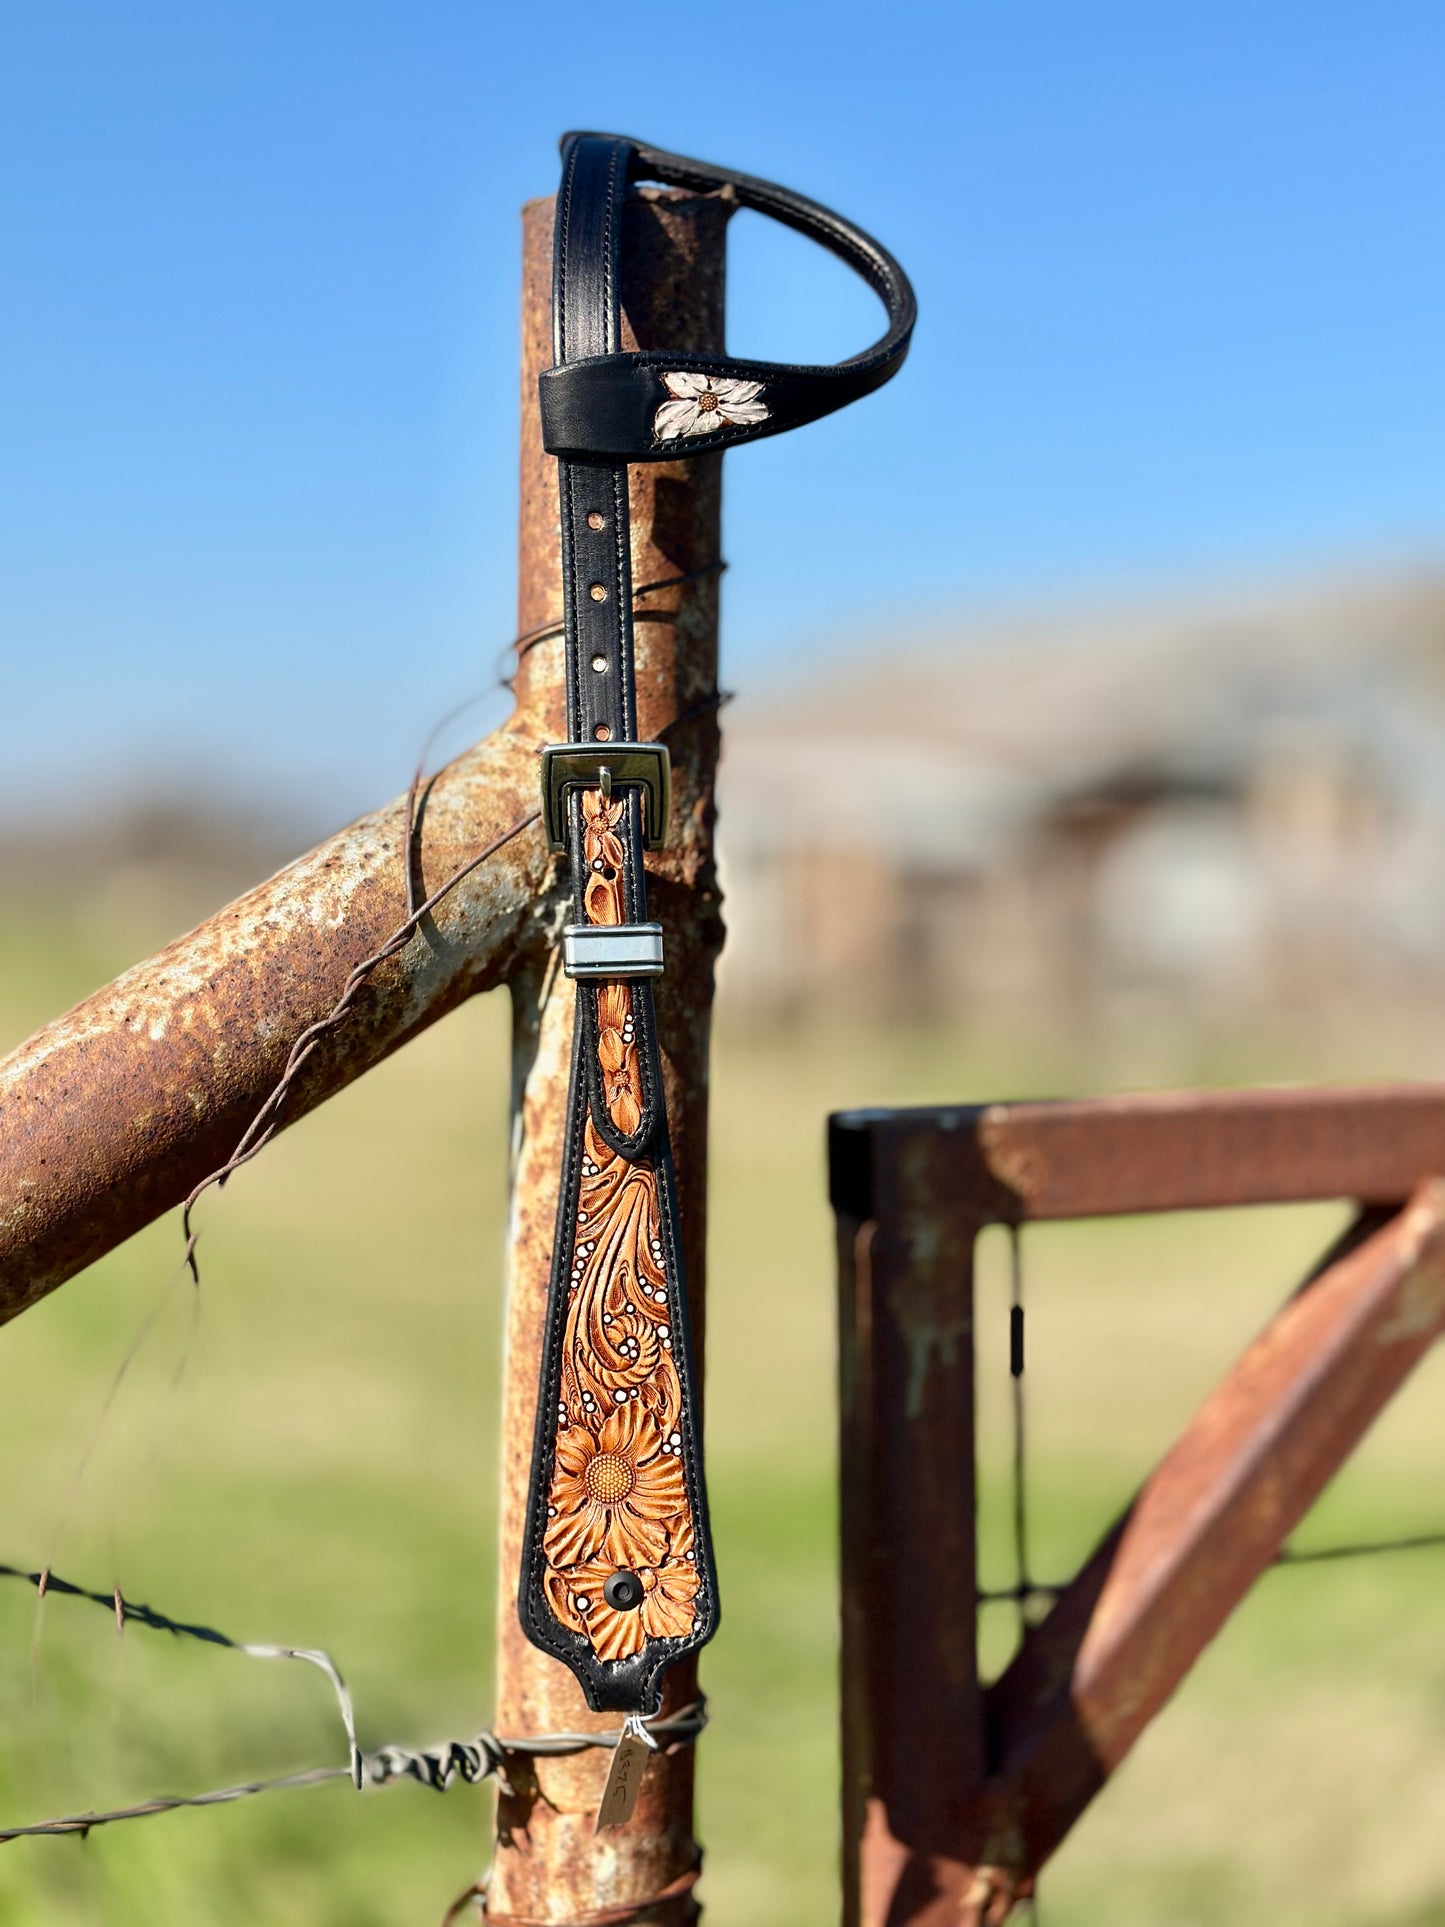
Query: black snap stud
x=623, y=1591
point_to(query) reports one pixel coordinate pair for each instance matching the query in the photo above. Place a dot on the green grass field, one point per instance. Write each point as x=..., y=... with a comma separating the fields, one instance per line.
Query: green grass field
x=306, y=1454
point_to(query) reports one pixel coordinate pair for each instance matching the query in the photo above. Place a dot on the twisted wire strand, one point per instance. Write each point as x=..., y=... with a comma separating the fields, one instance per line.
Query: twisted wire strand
x=436, y=1767
x=128, y=1611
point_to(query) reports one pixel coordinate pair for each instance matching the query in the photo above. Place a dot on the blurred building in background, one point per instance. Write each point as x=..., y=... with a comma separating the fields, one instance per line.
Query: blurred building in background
x=1205, y=817
x=1230, y=810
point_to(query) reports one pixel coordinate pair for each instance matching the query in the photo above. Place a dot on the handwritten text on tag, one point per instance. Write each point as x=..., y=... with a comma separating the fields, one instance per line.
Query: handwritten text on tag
x=624, y=1776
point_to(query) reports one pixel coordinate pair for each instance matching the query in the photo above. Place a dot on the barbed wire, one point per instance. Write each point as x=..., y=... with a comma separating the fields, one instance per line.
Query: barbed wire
x=438, y=1767
x=128, y=1611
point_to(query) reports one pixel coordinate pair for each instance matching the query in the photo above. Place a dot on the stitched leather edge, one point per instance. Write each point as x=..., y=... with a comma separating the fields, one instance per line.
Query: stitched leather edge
x=574, y=405
x=631, y=1684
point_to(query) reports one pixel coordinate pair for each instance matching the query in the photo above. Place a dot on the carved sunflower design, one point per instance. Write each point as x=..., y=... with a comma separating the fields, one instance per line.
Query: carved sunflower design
x=618, y=1498
x=702, y=404
x=614, y=1491
x=668, y=1609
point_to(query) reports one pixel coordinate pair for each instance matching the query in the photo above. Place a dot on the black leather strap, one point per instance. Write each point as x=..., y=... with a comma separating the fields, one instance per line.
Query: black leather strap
x=617, y=1574
x=597, y=565
x=606, y=1317
x=601, y=404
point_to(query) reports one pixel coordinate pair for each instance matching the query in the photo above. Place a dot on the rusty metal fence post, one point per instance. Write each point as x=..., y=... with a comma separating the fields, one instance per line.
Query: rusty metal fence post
x=550, y=1865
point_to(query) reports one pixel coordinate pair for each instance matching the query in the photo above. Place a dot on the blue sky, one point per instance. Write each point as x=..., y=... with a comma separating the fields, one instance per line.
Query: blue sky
x=1183, y=313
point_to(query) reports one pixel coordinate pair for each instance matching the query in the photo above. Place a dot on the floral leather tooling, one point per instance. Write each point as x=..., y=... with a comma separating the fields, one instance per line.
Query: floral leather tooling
x=617, y=1576
x=618, y=1499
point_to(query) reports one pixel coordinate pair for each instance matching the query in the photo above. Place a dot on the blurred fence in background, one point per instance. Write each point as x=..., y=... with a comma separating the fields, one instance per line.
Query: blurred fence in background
x=1204, y=815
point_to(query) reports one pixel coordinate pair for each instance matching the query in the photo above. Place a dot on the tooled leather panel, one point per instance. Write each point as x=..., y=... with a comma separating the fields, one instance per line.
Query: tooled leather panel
x=617, y=1480
x=618, y=1020
x=616, y=1473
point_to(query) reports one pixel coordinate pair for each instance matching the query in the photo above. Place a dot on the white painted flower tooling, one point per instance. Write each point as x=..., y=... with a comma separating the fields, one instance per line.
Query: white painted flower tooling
x=702, y=404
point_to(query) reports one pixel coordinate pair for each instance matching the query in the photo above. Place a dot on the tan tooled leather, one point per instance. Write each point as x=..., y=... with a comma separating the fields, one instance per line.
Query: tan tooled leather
x=618, y=1499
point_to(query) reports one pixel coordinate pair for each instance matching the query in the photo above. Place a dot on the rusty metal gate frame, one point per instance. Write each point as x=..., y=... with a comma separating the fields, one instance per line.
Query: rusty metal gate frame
x=956, y=1792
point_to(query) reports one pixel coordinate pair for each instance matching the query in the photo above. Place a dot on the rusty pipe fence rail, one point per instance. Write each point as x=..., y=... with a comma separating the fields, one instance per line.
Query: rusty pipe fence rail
x=956, y=1792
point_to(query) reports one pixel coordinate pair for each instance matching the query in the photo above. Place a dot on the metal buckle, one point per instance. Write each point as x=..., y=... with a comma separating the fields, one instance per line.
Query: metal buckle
x=615, y=951
x=571, y=766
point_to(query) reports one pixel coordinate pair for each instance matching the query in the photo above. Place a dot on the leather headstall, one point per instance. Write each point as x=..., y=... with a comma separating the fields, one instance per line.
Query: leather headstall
x=617, y=1572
